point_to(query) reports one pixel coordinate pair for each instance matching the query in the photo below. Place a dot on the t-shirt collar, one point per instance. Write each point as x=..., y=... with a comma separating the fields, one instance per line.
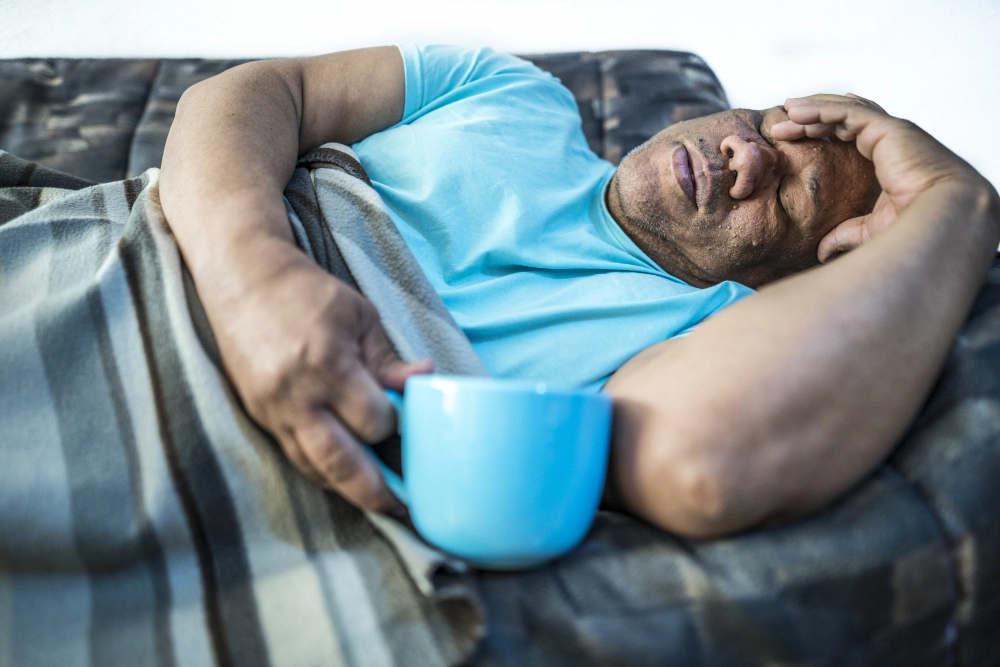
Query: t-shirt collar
x=612, y=232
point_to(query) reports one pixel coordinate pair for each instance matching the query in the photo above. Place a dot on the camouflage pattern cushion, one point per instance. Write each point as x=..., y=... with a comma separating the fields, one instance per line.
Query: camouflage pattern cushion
x=77, y=116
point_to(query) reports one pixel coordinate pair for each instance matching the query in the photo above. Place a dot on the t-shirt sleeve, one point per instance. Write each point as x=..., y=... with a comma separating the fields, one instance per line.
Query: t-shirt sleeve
x=437, y=74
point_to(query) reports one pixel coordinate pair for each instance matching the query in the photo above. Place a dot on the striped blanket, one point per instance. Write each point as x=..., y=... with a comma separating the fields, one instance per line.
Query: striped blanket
x=144, y=518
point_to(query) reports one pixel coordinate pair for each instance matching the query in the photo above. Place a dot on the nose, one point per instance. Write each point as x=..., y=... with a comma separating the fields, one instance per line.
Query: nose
x=753, y=163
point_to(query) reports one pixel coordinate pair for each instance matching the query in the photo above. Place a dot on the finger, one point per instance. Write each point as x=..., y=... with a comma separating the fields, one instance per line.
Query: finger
x=358, y=401
x=819, y=130
x=394, y=375
x=852, y=115
x=284, y=433
x=356, y=387
x=844, y=237
x=380, y=356
x=787, y=130
x=818, y=99
x=294, y=453
x=829, y=97
x=365, y=408
x=865, y=100
x=867, y=124
x=844, y=134
x=790, y=130
x=344, y=467
x=356, y=377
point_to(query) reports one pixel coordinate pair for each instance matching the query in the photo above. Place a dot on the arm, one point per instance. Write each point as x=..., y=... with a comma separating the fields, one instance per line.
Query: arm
x=306, y=353
x=781, y=403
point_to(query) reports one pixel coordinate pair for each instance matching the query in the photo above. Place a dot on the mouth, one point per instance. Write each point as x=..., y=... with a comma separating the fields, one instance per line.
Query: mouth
x=684, y=173
x=703, y=175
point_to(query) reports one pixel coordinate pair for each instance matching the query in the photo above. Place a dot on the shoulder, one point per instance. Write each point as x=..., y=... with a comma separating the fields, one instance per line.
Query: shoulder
x=463, y=64
x=437, y=74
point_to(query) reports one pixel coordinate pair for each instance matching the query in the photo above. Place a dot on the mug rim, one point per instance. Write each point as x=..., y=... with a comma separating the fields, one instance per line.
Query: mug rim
x=501, y=385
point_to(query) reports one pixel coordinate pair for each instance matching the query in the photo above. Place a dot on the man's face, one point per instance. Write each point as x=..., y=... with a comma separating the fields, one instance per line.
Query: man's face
x=715, y=198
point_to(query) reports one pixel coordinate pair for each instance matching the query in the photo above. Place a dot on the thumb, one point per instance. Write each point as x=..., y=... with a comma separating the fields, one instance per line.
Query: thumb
x=844, y=237
x=380, y=356
x=395, y=375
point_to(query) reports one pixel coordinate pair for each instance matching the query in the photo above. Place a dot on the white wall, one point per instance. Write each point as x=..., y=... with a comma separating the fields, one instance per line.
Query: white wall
x=935, y=62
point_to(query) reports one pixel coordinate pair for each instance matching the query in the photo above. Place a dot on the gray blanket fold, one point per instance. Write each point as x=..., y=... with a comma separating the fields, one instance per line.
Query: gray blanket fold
x=377, y=259
x=144, y=519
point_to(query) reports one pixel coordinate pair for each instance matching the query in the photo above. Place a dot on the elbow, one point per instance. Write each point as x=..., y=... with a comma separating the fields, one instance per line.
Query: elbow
x=246, y=83
x=730, y=489
x=701, y=499
x=694, y=487
x=695, y=475
x=196, y=95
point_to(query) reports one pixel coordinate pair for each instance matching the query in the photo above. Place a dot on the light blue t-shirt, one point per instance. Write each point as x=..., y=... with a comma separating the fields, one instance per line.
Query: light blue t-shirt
x=492, y=185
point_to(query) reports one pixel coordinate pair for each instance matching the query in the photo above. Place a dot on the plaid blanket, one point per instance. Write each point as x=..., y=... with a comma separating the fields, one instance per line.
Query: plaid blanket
x=144, y=519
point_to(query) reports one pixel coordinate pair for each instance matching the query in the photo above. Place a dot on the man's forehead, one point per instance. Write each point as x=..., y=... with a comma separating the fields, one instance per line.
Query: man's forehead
x=751, y=118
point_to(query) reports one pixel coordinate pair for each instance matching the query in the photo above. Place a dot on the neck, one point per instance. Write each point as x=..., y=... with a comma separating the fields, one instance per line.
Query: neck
x=657, y=247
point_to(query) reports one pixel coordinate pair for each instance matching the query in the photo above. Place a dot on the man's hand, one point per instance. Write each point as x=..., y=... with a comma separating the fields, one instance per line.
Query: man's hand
x=309, y=359
x=907, y=160
x=305, y=352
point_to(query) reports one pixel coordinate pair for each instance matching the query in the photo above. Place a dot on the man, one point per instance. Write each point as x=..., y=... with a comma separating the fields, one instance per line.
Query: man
x=767, y=410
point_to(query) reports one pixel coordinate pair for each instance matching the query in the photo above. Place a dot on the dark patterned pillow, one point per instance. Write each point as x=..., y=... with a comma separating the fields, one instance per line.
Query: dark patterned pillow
x=104, y=120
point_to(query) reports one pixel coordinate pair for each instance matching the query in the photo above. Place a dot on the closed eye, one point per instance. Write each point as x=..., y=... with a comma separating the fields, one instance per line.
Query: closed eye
x=777, y=194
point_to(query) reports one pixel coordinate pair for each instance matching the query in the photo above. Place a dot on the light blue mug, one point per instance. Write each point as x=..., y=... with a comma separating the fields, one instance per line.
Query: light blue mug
x=506, y=474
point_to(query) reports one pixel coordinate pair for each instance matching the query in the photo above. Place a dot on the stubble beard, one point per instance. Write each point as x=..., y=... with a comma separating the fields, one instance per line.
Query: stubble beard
x=636, y=209
x=641, y=205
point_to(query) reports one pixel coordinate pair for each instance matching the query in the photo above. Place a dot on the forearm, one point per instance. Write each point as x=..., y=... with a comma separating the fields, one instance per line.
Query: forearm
x=782, y=402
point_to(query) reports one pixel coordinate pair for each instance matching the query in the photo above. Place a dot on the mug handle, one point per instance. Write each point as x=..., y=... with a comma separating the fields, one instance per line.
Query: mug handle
x=392, y=480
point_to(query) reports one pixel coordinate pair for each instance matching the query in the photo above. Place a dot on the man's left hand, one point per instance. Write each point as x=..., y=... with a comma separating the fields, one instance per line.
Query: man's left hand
x=907, y=159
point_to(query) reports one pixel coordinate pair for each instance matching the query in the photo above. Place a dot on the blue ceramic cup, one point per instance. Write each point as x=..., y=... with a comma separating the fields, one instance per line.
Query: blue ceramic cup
x=505, y=474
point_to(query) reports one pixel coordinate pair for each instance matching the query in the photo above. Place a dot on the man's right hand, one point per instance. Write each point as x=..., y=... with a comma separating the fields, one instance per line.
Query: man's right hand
x=309, y=358
x=305, y=352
